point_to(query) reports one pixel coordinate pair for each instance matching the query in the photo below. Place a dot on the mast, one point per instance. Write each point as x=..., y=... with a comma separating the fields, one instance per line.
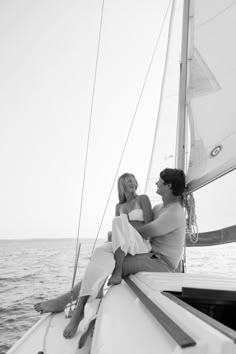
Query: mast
x=181, y=125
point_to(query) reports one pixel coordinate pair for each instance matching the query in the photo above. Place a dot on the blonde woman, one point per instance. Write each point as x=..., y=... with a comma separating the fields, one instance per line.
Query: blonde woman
x=132, y=211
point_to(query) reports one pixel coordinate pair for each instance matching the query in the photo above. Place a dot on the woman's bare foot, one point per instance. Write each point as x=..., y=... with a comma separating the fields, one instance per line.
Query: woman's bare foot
x=116, y=277
x=72, y=326
x=53, y=305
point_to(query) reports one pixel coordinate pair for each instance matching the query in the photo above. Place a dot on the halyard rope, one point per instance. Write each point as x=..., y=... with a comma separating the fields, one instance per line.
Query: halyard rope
x=131, y=125
x=191, y=222
x=87, y=148
x=46, y=334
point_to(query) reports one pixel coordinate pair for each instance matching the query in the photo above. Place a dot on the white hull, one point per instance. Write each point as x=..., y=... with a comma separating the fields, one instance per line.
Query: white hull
x=124, y=325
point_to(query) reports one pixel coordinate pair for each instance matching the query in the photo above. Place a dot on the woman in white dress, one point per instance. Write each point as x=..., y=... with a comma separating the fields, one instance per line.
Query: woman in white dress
x=132, y=211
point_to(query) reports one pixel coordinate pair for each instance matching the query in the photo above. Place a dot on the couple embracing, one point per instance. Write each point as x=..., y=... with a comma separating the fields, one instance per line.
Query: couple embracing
x=142, y=239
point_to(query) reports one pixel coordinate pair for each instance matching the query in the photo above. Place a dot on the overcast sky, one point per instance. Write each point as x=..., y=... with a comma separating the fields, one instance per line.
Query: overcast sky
x=47, y=68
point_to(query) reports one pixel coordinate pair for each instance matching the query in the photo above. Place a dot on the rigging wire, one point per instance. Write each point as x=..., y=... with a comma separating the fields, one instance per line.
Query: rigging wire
x=87, y=147
x=161, y=94
x=132, y=122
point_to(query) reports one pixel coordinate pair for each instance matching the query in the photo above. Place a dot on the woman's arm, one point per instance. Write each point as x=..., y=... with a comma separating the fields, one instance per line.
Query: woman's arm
x=117, y=212
x=147, y=208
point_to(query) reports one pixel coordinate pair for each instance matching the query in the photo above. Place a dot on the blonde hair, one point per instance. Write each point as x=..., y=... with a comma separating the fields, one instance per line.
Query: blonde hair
x=121, y=186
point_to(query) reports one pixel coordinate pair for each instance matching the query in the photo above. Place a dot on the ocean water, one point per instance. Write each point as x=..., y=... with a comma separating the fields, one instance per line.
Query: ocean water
x=33, y=270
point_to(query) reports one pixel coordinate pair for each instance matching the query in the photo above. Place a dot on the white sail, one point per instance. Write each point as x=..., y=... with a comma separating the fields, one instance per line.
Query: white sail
x=163, y=153
x=211, y=105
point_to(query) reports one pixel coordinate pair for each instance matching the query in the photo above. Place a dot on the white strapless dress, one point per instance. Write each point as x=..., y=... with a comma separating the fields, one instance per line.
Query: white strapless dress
x=125, y=236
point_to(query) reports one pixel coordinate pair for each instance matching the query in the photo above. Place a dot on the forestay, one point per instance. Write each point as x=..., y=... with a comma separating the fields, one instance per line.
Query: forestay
x=163, y=152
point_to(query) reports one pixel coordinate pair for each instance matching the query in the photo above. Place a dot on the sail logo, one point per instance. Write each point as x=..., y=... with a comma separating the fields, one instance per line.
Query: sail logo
x=216, y=151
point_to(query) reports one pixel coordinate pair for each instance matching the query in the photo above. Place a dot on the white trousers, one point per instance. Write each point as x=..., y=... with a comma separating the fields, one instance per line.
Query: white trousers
x=102, y=262
x=99, y=268
x=125, y=236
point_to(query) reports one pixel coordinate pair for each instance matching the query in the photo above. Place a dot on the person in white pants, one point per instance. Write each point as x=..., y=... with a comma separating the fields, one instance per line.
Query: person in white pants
x=167, y=236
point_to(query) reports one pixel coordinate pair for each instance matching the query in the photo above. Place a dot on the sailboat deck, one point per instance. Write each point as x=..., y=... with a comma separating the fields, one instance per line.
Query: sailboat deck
x=134, y=328
x=46, y=337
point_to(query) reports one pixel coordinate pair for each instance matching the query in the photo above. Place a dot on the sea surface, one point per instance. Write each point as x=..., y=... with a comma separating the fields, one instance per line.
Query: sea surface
x=33, y=270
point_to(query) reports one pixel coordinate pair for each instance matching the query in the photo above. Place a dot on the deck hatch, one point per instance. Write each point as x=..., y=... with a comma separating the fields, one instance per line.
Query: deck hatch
x=219, y=296
x=181, y=337
x=230, y=333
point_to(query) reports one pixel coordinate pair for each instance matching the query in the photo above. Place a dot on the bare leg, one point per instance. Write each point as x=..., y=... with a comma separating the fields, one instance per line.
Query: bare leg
x=85, y=336
x=99, y=267
x=116, y=276
x=59, y=303
x=76, y=318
